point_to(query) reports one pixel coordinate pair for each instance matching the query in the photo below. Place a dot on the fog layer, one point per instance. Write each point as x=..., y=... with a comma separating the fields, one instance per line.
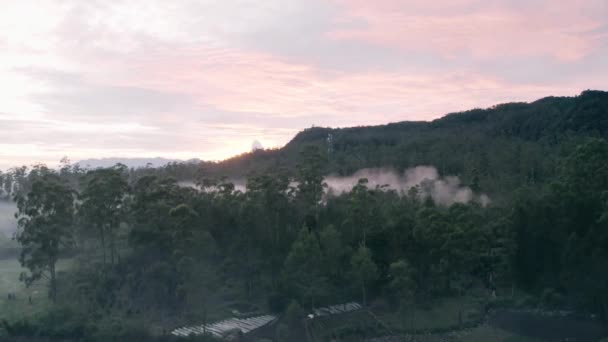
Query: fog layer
x=444, y=190
x=8, y=223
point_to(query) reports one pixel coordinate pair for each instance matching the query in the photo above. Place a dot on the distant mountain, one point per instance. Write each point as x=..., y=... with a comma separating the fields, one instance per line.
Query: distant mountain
x=132, y=162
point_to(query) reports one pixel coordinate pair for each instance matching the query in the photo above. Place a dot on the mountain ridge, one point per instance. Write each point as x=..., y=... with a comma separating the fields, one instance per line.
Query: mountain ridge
x=519, y=119
x=517, y=142
x=94, y=163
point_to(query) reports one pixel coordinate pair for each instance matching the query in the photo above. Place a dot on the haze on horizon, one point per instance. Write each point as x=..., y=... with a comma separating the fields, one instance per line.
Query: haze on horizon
x=203, y=79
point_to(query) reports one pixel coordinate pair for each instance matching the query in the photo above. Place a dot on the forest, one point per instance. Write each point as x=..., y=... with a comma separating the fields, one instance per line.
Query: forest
x=134, y=253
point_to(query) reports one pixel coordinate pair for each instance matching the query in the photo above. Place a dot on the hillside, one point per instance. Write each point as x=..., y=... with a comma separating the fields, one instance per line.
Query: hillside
x=504, y=146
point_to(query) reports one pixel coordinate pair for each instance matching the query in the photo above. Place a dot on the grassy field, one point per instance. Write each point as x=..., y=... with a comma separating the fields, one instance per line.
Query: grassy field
x=442, y=314
x=487, y=333
x=10, y=269
x=445, y=313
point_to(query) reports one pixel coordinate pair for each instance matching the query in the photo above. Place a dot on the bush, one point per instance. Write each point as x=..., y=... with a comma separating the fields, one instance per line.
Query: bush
x=501, y=302
x=294, y=315
x=521, y=339
x=381, y=305
x=114, y=328
x=550, y=298
x=526, y=301
x=277, y=302
x=19, y=328
x=282, y=333
x=61, y=323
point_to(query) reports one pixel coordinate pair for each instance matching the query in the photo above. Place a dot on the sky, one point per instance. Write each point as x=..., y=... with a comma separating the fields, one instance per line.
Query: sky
x=204, y=79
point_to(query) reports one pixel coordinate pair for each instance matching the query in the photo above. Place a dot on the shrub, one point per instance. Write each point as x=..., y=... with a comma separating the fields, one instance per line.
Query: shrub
x=294, y=315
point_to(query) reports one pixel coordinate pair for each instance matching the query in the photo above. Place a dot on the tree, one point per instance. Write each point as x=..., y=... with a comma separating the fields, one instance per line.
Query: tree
x=103, y=205
x=303, y=267
x=45, y=219
x=166, y=238
x=361, y=210
x=333, y=251
x=267, y=207
x=498, y=258
x=429, y=231
x=310, y=178
x=581, y=202
x=581, y=183
x=403, y=283
x=364, y=270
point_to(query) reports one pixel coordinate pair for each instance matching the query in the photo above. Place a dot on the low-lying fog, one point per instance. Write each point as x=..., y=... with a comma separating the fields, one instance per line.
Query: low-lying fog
x=8, y=223
x=444, y=190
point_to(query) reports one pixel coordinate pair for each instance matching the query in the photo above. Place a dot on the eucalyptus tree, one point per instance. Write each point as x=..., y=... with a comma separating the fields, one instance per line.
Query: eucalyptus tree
x=45, y=218
x=311, y=184
x=403, y=282
x=102, y=207
x=168, y=239
x=303, y=268
x=267, y=213
x=364, y=270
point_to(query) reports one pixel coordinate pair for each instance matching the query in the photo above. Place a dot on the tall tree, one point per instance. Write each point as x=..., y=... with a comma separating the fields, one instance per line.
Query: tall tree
x=403, y=283
x=310, y=178
x=580, y=198
x=303, y=267
x=363, y=216
x=103, y=205
x=364, y=270
x=45, y=219
x=268, y=217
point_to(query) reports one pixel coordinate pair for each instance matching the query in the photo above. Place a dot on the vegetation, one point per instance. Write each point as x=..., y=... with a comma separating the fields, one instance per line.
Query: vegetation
x=150, y=254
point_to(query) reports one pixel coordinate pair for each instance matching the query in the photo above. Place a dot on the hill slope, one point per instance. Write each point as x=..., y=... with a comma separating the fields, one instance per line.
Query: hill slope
x=500, y=147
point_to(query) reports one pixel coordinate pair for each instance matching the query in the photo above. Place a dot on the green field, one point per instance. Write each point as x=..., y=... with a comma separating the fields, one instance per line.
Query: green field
x=10, y=269
x=441, y=314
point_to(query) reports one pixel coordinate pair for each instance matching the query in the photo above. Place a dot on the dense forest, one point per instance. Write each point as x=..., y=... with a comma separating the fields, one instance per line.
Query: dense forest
x=154, y=249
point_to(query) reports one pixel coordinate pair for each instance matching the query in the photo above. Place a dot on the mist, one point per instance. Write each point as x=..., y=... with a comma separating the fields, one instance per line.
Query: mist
x=239, y=185
x=8, y=222
x=443, y=190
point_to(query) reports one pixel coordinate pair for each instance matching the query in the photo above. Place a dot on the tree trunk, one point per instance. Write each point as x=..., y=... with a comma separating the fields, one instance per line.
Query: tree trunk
x=112, y=246
x=448, y=283
x=103, y=243
x=53, y=283
x=364, y=293
x=603, y=310
x=205, y=320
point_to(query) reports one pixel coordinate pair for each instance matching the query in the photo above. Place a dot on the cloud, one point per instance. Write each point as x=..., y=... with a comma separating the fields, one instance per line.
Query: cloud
x=205, y=78
x=483, y=30
x=71, y=95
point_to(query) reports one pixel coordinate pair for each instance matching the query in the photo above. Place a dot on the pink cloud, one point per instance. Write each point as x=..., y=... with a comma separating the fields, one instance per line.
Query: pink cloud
x=485, y=30
x=180, y=76
x=238, y=81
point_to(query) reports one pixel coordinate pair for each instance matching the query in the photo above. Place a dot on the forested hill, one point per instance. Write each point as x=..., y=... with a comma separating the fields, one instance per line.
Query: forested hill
x=501, y=147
